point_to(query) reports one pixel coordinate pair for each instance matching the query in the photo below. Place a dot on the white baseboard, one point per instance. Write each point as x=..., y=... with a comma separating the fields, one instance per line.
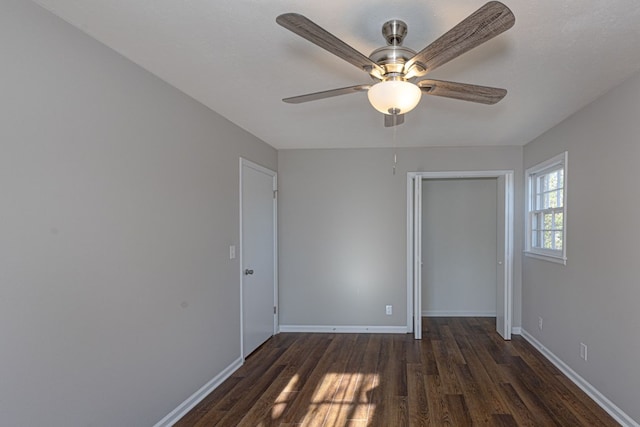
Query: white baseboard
x=516, y=330
x=454, y=313
x=345, y=329
x=182, y=409
x=617, y=413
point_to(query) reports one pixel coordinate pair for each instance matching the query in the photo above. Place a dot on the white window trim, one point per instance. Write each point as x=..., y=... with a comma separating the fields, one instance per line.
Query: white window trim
x=538, y=253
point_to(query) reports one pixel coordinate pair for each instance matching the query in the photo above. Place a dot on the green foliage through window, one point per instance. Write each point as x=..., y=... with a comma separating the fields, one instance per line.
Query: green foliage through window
x=546, y=208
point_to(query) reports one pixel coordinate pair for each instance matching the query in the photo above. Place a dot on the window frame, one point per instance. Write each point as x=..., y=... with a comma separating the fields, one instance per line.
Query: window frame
x=531, y=175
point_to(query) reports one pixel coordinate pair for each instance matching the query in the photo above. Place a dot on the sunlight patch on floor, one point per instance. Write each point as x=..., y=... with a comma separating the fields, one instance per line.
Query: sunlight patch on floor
x=286, y=395
x=341, y=398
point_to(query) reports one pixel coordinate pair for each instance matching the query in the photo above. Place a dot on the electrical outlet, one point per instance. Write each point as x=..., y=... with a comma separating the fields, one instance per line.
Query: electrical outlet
x=389, y=310
x=583, y=351
x=540, y=323
x=232, y=252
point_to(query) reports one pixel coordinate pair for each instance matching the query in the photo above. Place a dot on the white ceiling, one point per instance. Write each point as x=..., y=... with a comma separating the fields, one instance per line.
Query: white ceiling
x=234, y=58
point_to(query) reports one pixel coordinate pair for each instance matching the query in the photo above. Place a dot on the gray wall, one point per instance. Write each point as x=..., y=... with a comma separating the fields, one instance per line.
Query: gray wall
x=594, y=299
x=459, y=252
x=118, y=201
x=342, y=224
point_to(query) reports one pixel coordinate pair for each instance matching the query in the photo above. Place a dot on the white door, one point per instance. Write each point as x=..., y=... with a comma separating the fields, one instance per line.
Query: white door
x=417, y=257
x=503, y=321
x=258, y=255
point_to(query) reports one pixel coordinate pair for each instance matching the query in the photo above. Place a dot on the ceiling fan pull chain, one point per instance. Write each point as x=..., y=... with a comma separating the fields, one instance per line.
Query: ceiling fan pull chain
x=395, y=149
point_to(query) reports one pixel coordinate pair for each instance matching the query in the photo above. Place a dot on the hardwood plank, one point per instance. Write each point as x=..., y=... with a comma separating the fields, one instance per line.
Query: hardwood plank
x=498, y=353
x=532, y=357
x=488, y=385
x=446, y=368
x=428, y=357
x=307, y=361
x=208, y=403
x=418, y=404
x=564, y=391
x=316, y=395
x=509, y=395
x=367, y=393
x=250, y=397
x=389, y=402
x=414, y=351
x=251, y=373
x=475, y=402
x=593, y=413
x=519, y=409
x=266, y=411
x=552, y=402
x=430, y=330
x=451, y=344
x=503, y=420
x=460, y=415
x=438, y=403
x=349, y=396
x=462, y=373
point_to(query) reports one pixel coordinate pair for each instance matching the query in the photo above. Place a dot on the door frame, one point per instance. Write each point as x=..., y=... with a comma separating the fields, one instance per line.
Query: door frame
x=414, y=291
x=274, y=175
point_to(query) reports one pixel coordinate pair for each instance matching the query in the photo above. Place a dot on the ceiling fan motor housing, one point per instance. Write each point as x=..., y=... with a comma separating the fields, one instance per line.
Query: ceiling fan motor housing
x=394, y=32
x=393, y=56
x=392, y=59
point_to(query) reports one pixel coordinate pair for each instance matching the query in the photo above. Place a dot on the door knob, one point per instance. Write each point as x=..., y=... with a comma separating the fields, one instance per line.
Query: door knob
x=247, y=272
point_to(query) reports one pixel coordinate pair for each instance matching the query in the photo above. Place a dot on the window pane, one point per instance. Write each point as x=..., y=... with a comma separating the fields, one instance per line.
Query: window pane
x=538, y=238
x=559, y=235
x=551, y=181
x=558, y=221
x=547, y=239
x=560, y=198
x=561, y=178
x=553, y=200
x=548, y=221
x=536, y=221
x=540, y=184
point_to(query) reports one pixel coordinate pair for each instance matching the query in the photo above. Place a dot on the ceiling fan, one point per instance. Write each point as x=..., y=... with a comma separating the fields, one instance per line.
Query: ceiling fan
x=395, y=68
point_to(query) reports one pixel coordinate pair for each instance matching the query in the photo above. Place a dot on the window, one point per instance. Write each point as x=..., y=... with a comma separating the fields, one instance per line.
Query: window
x=547, y=210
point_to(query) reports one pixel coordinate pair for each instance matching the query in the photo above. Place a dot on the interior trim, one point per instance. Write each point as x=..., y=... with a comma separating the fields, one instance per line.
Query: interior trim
x=174, y=416
x=618, y=414
x=344, y=329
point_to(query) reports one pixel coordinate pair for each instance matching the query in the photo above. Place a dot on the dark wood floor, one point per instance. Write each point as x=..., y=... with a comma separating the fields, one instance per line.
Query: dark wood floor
x=461, y=374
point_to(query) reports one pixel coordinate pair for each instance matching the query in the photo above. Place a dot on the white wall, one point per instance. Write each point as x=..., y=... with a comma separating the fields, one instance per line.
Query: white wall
x=459, y=251
x=118, y=201
x=342, y=225
x=594, y=299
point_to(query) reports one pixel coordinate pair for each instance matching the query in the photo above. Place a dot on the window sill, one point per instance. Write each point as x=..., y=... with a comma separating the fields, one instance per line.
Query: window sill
x=550, y=258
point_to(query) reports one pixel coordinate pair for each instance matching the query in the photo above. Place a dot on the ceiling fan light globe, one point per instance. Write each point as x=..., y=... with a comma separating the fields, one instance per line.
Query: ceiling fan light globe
x=394, y=96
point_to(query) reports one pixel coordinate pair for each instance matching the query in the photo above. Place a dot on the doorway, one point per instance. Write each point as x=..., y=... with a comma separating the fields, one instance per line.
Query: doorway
x=503, y=244
x=258, y=255
x=459, y=251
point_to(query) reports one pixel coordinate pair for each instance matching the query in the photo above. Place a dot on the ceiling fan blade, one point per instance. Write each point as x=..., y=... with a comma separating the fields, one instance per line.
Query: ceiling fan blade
x=485, y=23
x=393, y=120
x=462, y=91
x=326, y=94
x=307, y=29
